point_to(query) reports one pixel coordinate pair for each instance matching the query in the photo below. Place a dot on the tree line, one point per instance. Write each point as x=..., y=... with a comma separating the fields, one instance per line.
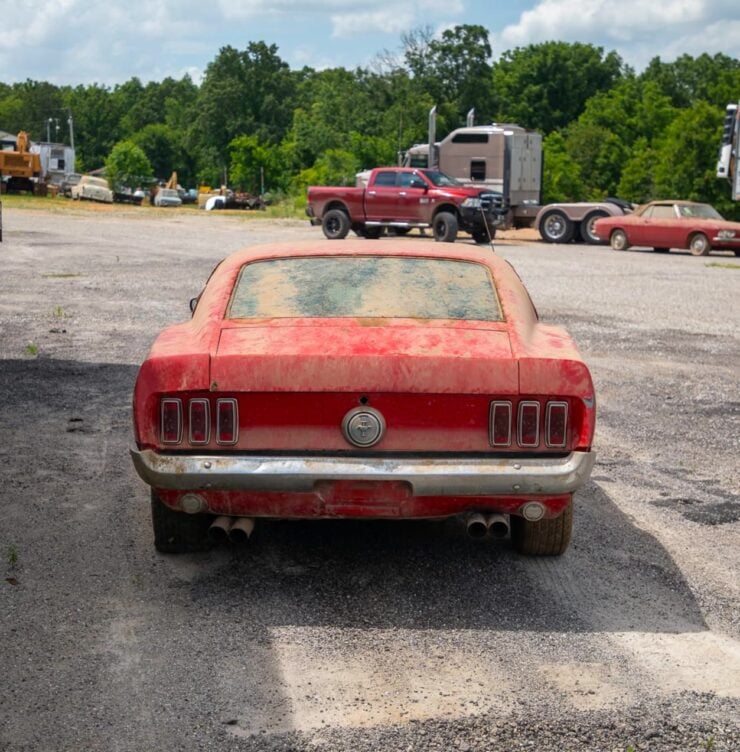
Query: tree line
x=262, y=126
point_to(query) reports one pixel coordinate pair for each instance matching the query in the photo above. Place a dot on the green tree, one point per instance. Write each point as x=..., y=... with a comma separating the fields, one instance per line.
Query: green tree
x=162, y=147
x=561, y=179
x=637, y=181
x=127, y=166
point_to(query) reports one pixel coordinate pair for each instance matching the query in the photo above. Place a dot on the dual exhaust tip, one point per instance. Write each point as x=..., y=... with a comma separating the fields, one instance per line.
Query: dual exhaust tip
x=479, y=525
x=235, y=529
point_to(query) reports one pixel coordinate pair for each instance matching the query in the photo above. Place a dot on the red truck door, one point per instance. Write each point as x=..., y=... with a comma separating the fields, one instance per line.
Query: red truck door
x=381, y=197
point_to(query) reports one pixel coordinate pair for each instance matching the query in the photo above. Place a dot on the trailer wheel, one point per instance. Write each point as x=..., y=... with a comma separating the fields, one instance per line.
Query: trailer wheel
x=587, y=228
x=555, y=227
x=335, y=224
x=444, y=227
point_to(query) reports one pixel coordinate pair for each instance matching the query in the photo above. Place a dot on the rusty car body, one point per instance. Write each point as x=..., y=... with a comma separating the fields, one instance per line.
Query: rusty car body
x=364, y=379
x=662, y=225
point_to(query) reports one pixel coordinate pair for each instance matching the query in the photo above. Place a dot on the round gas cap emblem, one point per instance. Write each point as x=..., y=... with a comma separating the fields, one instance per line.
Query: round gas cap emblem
x=363, y=426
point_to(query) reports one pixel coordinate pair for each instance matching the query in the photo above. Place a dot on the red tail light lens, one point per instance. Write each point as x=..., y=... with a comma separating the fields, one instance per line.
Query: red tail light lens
x=171, y=420
x=227, y=421
x=528, y=424
x=556, y=424
x=199, y=421
x=500, y=424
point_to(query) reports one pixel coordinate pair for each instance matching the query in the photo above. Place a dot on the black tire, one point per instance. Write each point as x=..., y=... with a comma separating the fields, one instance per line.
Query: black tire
x=444, y=227
x=335, y=224
x=737, y=251
x=586, y=229
x=178, y=532
x=555, y=227
x=373, y=233
x=399, y=231
x=661, y=250
x=699, y=244
x=549, y=537
x=481, y=236
x=618, y=240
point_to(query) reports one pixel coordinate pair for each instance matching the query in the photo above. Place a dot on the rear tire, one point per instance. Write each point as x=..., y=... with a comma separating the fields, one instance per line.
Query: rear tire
x=444, y=227
x=586, y=230
x=548, y=537
x=335, y=224
x=178, y=532
x=555, y=227
x=618, y=240
x=699, y=245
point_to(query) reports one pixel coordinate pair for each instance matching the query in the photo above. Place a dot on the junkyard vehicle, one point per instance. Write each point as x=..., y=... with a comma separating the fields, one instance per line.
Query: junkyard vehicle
x=167, y=197
x=20, y=169
x=404, y=198
x=561, y=223
x=662, y=225
x=71, y=179
x=364, y=380
x=92, y=188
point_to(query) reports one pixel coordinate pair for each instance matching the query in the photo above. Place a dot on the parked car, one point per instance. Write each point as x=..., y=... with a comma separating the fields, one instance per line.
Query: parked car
x=92, y=188
x=71, y=179
x=167, y=197
x=365, y=380
x=561, y=223
x=662, y=225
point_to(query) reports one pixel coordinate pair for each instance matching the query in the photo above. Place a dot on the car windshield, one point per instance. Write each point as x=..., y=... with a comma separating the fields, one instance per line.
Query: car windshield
x=702, y=211
x=365, y=287
x=168, y=192
x=440, y=179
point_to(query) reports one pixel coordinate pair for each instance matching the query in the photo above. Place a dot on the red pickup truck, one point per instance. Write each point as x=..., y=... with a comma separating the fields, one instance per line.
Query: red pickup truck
x=403, y=198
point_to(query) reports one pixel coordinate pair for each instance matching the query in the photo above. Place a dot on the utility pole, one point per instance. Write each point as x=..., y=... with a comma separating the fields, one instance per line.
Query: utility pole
x=71, y=130
x=48, y=129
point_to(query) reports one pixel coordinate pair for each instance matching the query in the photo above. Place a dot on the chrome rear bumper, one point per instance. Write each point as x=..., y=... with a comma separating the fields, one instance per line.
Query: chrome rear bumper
x=426, y=477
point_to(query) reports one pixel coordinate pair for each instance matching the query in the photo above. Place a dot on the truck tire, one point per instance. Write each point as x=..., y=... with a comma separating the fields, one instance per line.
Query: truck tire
x=699, y=245
x=481, y=236
x=373, y=233
x=549, y=537
x=618, y=240
x=178, y=532
x=444, y=227
x=555, y=227
x=335, y=224
x=586, y=230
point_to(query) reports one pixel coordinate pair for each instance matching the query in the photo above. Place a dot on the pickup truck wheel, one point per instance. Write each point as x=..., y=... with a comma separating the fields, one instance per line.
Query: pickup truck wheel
x=335, y=224
x=555, y=227
x=178, y=532
x=618, y=240
x=444, y=227
x=699, y=245
x=549, y=537
x=481, y=236
x=587, y=228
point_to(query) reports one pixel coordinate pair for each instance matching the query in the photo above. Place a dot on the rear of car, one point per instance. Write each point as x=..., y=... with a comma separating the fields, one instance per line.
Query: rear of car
x=380, y=384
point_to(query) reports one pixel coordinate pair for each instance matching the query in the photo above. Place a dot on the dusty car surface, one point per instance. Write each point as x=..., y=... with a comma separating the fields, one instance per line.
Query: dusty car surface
x=167, y=197
x=92, y=188
x=375, y=380
x=561, y=223
x=662, y=225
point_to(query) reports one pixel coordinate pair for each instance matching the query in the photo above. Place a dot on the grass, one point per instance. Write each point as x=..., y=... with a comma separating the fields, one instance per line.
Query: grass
x=58, y=312
x=31, y=349
x=11, y=555
x=723, y=265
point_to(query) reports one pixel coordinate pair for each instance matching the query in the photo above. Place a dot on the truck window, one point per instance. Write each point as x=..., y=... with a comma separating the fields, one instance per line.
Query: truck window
x=470, y=138
x=477, y=169
x=385, y=179
x=409, y=180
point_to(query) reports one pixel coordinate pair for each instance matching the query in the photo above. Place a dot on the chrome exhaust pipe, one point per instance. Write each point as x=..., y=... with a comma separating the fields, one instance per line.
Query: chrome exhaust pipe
x=476, y=525
x=218, y=532
x=241, y=530
x=498, y=525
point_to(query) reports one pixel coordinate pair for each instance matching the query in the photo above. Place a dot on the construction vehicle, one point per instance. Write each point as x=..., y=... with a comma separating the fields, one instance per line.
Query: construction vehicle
x=20, y=170
x=503, y=158
x=729, y=150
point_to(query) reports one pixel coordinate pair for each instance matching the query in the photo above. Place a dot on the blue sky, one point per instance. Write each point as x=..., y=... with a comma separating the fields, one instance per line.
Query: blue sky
x=85, y=41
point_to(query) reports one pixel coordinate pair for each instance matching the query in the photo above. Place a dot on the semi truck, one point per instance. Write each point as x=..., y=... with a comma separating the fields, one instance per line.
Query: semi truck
x=729, y=150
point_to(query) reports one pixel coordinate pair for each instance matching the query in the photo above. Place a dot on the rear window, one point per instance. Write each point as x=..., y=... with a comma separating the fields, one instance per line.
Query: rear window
x=365, y=286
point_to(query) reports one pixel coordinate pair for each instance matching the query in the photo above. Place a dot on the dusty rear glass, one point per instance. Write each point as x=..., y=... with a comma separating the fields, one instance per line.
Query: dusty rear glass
x=365, y=286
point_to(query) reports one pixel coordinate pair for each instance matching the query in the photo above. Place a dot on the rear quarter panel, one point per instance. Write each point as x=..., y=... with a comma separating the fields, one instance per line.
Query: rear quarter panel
x=324, y=198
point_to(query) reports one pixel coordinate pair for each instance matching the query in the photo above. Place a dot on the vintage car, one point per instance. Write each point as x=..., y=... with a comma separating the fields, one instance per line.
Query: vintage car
x=662, y=225
x=167, y=197
x=366, y=380
x=92, y=188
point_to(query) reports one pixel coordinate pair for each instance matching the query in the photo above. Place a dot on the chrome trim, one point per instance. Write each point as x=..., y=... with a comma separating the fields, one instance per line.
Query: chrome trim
x=522, y=405
x=190, y=421
x=511, y=476
x=492, y=419
x=219, y=402
x=550, y=405
x=718, y=239
x=178, y=402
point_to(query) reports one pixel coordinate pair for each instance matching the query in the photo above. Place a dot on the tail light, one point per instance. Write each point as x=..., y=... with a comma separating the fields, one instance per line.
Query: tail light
x=528, y=425
x=171, y=420
x=556, y=424
x=199, y=421
x=500, y=423
x=227, y=431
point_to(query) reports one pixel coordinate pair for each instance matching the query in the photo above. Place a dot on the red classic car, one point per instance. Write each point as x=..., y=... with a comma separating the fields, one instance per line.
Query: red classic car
x=363, y=379
x=663, y=225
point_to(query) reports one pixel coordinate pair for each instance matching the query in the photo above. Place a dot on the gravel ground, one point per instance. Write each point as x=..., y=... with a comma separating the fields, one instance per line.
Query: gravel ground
x=372, y=636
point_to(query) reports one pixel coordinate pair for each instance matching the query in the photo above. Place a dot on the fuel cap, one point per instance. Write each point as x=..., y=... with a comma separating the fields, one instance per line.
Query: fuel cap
x=363, y=426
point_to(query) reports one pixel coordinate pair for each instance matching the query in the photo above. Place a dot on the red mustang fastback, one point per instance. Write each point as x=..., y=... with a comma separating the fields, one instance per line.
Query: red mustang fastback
x=363, y=379
x=662, y=225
